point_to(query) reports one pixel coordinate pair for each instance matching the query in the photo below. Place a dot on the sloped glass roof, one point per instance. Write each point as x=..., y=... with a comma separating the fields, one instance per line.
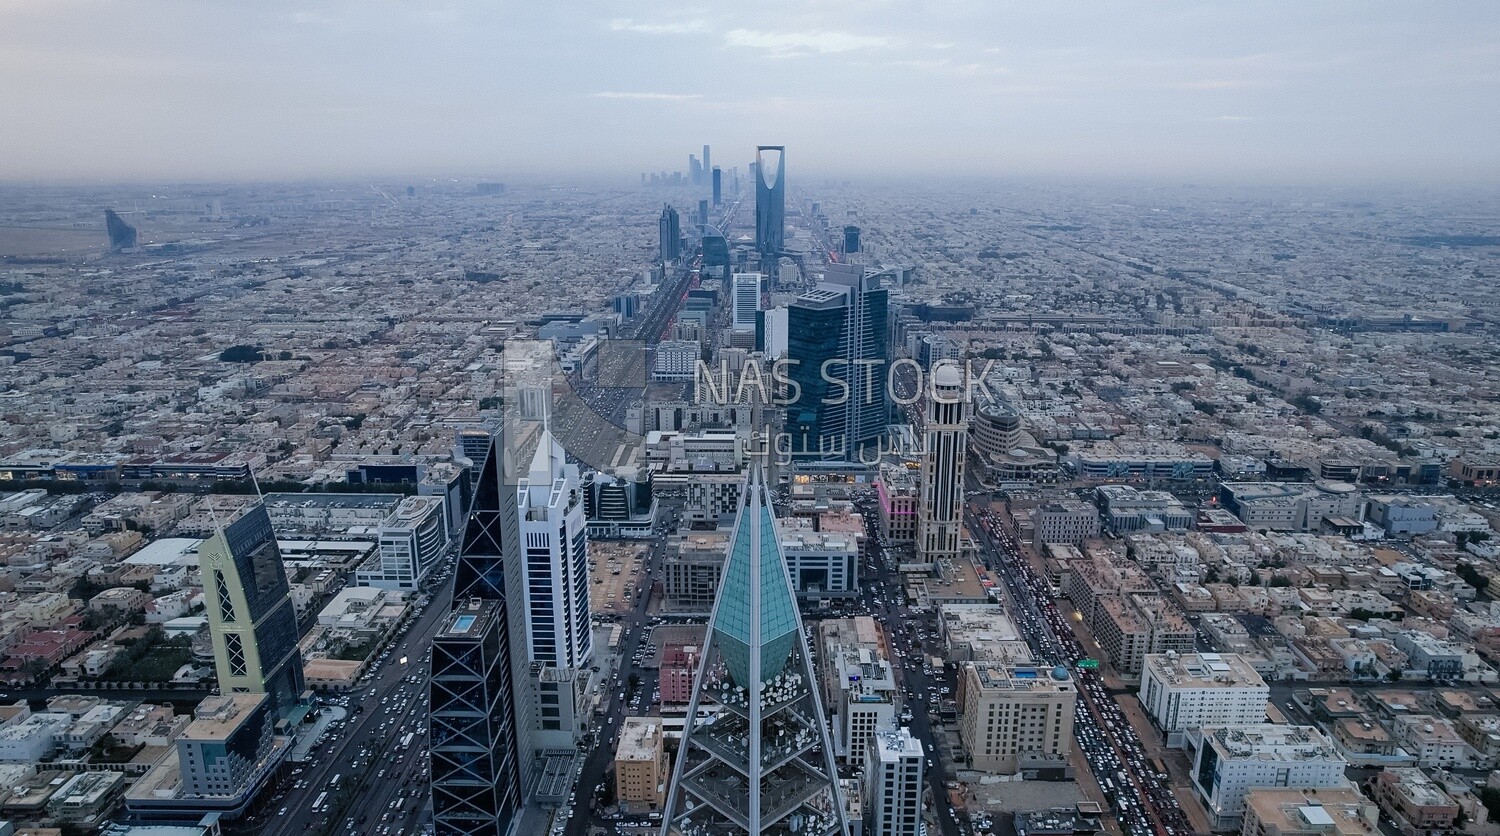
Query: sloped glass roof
x=755, y=581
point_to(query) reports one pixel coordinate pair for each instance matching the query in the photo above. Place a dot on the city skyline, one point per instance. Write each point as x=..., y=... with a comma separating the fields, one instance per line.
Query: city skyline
x=453, y=420
x=1285, y=92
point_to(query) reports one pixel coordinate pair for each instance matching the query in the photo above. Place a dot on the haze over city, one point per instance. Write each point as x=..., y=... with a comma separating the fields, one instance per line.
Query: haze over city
x=1283, y=91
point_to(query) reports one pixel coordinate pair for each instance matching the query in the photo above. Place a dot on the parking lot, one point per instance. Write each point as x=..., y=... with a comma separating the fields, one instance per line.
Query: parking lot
x=615, y=567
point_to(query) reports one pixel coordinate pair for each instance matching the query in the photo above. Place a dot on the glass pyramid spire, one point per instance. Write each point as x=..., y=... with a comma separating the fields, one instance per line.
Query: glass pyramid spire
x=755, y=755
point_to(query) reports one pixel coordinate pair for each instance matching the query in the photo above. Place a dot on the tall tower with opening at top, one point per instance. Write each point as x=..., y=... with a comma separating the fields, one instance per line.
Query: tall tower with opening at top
x=770, y=201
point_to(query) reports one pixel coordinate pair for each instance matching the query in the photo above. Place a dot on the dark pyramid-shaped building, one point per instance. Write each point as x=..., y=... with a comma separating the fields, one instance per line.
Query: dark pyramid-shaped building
x=755, y=756
x=121, y=234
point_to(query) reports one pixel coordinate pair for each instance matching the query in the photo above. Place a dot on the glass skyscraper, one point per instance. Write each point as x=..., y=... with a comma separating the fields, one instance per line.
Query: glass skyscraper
x=837, y=332
x=480, y=746
x=250, y=614
x=476, y=784
x=770, y=202
x=755, y=757
x=669, y=233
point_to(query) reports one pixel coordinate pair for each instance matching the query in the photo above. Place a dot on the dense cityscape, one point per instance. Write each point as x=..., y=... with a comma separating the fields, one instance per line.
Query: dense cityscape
x=473, y=507
x=445, y=419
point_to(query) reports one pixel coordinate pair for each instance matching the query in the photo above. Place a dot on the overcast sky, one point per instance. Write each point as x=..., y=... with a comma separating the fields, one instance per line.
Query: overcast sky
x=1253, y=89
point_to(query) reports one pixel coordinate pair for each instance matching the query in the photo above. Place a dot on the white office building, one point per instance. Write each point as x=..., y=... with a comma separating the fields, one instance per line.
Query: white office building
x=746, y=300
x=676, y=361
x=1232, y=761
x=412, y=541
x=554, y=547
x=864, y=704
x=893, y=784
x=1182, y=692
x=822, y=564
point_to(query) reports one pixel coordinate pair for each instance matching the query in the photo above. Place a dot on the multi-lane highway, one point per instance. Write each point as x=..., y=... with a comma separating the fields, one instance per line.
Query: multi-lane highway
x=913, y=639
x=381, y=785
x=1136, y=789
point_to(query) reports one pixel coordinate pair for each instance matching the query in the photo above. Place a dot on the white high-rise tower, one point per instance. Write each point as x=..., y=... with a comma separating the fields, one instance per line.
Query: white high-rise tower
x=746, y=299
x=554, y=559
x=554, y=550
x=946, y=433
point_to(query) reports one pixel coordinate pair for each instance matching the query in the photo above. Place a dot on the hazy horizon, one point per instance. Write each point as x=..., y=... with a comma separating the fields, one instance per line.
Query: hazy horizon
x=1360, y=94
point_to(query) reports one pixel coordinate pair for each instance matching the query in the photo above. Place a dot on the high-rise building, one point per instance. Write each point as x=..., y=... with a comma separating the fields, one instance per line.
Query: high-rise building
x=837, y=336
x=470, y=447
x=715, y=255
x=718, y=185
x=708, y=162
x=1229, y=762
x=695, y=170
x=228, y=747
x=746, y=300
x=858, y=683
x=703, y=217
x=619, y=506
x=220, y=763
x=121, y=234
x=893, y=784
x=669, y=235
x=1194, y=690
x=558, y=620
x=250, y=614
x=770, y=202
x=755, y=757
x=476, y=762
x=552, y=525
x=851, y=239
x=481, y=750
x=641, y=764
x=996, y=430
x=946, y=436
x=1308, y=811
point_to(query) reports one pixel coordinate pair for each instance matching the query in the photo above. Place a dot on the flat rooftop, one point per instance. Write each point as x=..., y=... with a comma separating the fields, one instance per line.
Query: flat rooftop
x=640, y=739
x=217, y=717
x=470, y=618
x=1204, y=670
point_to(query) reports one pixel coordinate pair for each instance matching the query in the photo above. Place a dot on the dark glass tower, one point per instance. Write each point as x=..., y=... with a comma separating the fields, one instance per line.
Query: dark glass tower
x=476, y=786
x=669, y=232
x=718, y=177
x=770, y=202
x=121, y=234
x=480, y=749
x=716, y=255
x=250, y=614
x=851, y=239
x=838, y=330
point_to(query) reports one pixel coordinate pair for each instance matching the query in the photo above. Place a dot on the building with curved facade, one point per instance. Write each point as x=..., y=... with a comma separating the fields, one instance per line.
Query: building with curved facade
x=996, y=430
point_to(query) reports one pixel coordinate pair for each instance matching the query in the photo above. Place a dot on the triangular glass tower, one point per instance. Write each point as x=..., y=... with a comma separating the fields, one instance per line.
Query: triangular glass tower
x=755, y=756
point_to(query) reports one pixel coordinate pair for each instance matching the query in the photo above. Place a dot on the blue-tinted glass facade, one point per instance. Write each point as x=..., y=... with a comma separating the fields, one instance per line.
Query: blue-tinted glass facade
x=262, y=577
